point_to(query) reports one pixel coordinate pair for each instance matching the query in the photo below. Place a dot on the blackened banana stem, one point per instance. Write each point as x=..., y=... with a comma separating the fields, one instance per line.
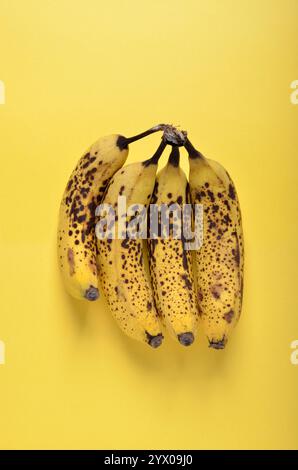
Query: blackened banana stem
x=154, y=159
x=123, y=142
x=193, y=153
x=174, y=157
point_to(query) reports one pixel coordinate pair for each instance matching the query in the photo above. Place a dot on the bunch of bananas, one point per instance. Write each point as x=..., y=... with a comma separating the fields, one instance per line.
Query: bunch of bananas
x=178, y=288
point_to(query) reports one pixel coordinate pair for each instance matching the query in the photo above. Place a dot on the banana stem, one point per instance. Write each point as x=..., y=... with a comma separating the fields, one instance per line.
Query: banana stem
x=159, y=127
x=154, y=159
x=174, y=136
x=192, y=152
x=174, y=157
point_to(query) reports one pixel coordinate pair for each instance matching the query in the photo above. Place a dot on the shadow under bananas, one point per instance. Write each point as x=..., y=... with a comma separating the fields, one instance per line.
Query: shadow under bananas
x=198, y=367
x=171, y=362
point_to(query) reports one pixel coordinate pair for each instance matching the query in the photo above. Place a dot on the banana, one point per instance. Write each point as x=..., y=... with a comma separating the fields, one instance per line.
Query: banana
x=84, y=191
x=170, y=263
x=123, y=278
x=219, y=262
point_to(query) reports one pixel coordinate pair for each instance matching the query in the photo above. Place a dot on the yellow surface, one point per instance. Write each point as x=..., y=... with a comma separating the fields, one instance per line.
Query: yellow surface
x=74, y=71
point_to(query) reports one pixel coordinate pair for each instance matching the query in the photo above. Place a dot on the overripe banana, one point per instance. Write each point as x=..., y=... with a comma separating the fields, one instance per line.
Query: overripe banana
x=219, y=262
x=169, y=261
x=121, y=264
x=84, y=191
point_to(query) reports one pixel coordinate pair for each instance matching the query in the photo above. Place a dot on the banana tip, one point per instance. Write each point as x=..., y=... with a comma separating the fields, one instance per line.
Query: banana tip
x=92, y=294
x=220, y=344
x=186, y=339
x=154, y=341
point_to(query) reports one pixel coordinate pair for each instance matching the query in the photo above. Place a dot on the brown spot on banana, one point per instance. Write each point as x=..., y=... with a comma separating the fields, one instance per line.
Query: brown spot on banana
x=229, y=316
x=232, y=193
x=200, y=295
x=71, y=261
x=93, y=267
x=188, y=284
x=216, y=290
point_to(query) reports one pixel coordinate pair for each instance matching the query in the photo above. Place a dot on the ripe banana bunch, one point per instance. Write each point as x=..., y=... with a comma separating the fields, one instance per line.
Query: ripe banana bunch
x=219, y=262
x=170, y=262
x=103, y=222
x=121, y=265
x=76, y=227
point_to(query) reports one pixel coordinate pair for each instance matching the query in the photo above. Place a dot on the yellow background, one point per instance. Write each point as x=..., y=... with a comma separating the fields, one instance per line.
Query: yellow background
x=75, y=71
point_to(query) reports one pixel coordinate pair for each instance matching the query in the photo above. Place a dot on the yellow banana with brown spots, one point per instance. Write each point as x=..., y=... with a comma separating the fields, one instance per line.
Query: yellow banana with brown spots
x=219, y=262
x=84, y=191
x=170, y=263
x=122, y=273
